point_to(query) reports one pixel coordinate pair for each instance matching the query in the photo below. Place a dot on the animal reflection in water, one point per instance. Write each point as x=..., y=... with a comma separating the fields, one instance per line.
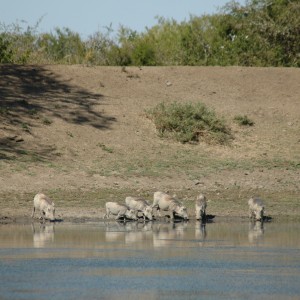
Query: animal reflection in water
x=114, y=231
x=200, y=232
x=127, y=232
x=138, y=232
x=43, y=235
x=155, y=234
x=256, y=232
x=166, y=234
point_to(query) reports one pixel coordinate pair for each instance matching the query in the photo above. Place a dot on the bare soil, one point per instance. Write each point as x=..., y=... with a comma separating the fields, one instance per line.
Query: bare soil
x=80, y=134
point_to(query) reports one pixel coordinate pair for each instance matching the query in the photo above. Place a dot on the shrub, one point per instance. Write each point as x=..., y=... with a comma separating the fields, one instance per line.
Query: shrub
x=47, y=121
x=5, y=51
x=17, y=43
x=63, y=46
x=144, y=54
x=189, y=123
x=105, y=148
x=243, y=120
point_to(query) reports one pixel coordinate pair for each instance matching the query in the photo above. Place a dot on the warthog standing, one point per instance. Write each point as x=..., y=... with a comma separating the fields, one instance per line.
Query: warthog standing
x=166, y=202
x=119, y=210
x=200, y=207
x=45, y=205
x=256, y=209
x=141, y=205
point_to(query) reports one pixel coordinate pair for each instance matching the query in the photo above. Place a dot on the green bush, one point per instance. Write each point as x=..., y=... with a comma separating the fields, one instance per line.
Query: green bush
x=189, y=123
x=5, y=51
x=17, y=44
x=63, y=46
x=101, y=49
x=259, y=33
x=144, y=54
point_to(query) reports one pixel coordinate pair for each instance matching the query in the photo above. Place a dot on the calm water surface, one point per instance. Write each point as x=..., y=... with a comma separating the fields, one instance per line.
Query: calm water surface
x=222, y=260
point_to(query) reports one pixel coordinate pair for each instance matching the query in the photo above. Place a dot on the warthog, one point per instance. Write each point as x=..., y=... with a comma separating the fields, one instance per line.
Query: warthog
x=166, y=202
x=45, y=205
x=200, y=207
x=119, y=210
x=141, y=205
x=256, y=209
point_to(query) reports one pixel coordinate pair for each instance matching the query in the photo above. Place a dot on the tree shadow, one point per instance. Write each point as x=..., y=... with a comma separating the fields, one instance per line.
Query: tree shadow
x=31, y=95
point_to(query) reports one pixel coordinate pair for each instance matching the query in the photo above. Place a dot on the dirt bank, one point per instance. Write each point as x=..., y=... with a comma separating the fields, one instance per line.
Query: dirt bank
x=80, y=134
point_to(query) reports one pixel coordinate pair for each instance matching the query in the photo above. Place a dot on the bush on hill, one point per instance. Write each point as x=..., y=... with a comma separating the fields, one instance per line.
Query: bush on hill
x=189, y=123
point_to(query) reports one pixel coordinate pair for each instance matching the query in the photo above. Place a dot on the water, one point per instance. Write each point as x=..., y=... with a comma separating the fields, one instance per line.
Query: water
x=222, y=260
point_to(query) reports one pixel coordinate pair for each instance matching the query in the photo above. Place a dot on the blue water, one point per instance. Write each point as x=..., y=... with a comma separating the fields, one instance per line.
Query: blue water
x=156, y=261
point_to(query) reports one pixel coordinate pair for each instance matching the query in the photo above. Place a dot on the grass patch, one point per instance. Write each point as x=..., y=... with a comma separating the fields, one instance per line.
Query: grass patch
x=189, y=123
x=243, y=120
x=105, y=148
x=187, y=162
x=4, y=111
x=70, y=134
x=25, y=127
x=96, y=198
x=47, y=121
x=33, y=112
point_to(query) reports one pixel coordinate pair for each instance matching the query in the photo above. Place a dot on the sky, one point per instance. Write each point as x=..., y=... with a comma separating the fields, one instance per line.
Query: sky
x=89, y=16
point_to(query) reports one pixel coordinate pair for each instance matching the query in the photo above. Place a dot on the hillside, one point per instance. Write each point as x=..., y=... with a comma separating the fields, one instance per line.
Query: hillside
x=81, y=135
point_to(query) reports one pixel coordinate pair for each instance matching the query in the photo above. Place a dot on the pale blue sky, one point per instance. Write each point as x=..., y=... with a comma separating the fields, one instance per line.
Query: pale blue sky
x=87, y=17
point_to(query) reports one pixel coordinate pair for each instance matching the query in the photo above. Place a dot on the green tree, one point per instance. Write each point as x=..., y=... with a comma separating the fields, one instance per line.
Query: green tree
x=64, y=46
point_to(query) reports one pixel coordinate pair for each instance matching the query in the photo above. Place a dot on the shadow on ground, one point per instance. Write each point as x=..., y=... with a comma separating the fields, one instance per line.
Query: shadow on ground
x=31, y=95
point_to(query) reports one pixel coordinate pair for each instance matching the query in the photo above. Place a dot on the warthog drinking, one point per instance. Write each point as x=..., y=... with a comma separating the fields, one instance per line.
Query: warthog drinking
x=166, y=202
x=256, y=209
x=119, y=210
x=200, y=207
x=45, y=205
x=141, y=205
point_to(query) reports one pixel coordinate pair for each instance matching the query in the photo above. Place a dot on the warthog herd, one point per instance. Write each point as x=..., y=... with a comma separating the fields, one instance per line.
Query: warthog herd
x=135, y=205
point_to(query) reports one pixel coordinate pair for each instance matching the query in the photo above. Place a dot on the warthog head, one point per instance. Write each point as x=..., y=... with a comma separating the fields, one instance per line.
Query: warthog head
x=148, y=212
x=259, y=213
x=131, y=214
x=49, y=212
x=181, y=211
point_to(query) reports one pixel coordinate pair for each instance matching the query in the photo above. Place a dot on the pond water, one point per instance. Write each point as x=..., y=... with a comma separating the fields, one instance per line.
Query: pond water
x=221, y=260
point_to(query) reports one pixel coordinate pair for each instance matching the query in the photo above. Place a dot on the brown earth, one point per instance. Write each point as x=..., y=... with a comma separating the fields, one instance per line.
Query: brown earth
x=81, y=135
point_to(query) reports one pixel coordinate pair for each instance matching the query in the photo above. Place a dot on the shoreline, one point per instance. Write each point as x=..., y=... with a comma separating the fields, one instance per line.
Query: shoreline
x=27, y=220
x=88, y=206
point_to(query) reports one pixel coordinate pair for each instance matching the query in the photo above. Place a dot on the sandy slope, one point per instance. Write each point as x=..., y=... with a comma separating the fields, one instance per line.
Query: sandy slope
x=77, y=128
